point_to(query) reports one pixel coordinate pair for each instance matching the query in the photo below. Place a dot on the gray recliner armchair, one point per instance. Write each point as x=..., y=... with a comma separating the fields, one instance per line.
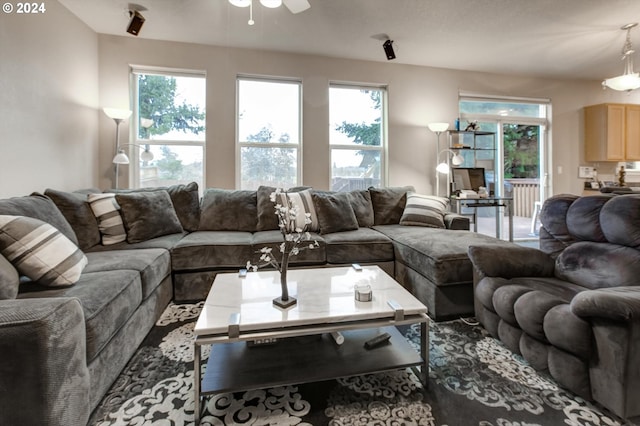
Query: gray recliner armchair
x=572, y=307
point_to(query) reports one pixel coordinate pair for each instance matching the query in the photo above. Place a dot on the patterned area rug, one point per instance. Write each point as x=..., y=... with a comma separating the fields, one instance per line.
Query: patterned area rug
x=473, y=380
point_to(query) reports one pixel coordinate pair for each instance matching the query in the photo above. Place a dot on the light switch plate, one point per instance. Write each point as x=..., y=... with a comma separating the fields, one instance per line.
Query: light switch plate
x=585, y=172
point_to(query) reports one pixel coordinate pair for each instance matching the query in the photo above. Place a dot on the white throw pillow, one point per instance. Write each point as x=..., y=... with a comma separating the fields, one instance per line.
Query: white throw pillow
x=304, y=202
x=40, y=252
x=107, y=211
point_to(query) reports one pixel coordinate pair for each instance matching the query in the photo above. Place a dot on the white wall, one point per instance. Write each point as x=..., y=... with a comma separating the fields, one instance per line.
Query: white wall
x=417, y=96
x=48, y=102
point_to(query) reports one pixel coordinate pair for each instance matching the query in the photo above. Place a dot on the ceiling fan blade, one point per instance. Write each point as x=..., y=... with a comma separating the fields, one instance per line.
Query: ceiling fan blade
x=297, y=6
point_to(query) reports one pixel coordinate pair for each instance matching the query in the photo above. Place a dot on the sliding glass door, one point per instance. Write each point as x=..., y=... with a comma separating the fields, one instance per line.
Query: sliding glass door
x=520, y=169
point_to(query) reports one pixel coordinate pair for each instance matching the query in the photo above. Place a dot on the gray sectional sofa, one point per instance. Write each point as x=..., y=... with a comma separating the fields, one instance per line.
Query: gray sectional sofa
x=61, y=347
x=573, y=307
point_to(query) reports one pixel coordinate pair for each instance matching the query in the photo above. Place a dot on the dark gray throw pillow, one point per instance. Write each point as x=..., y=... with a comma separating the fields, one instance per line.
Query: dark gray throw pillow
x=335, y=213
x=9, y=280
x=148, y=215
x=39, y=207
x=185, y=199
x=267, y=219
x=77, y=211
x=228, y=210
x=362, y=207
x=388, y=204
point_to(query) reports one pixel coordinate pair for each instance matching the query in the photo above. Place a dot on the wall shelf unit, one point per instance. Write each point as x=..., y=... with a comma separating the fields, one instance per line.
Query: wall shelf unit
x=477, y=148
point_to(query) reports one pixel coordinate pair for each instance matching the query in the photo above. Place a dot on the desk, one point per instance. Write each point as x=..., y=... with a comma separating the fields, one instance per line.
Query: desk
x=497, y=202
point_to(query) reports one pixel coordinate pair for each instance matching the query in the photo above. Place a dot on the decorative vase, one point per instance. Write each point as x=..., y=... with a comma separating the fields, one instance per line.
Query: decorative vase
x=284, y=301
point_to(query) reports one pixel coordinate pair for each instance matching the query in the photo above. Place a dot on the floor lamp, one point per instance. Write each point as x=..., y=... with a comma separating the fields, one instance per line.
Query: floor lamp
x=118, y=115
x=438, y=128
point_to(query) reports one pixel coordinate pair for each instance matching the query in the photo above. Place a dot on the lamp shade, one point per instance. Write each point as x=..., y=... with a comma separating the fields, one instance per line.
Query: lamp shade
x=271, y=3
x=121, y=158
x=623, y=82
x=146, y=122
x=146, y=155
x=240, y=3
x=457, y=159
x=438, y=127
x=117, y=113
x=443, y=168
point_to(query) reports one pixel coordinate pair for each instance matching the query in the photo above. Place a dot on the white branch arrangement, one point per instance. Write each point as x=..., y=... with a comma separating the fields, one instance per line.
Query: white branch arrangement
x=295, y=239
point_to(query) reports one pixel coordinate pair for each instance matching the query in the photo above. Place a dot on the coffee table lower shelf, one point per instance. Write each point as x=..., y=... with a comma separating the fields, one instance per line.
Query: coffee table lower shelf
x=236, y=366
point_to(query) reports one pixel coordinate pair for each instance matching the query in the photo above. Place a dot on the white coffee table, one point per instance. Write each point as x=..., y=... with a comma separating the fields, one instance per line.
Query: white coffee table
x=240, y=310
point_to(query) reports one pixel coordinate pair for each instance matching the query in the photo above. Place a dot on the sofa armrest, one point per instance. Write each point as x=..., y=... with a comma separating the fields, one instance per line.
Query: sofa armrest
x=615, y=303
x=510, y=261
x=457, y=221
x=43, y=370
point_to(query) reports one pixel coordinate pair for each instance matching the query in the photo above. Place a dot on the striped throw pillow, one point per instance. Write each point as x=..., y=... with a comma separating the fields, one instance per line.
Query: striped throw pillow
x=40, y=252
x=424, y=210
x=304, y=202
x=107, y=211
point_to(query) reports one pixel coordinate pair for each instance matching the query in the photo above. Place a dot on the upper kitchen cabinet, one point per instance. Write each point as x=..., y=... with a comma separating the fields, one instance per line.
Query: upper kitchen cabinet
x=612, y=132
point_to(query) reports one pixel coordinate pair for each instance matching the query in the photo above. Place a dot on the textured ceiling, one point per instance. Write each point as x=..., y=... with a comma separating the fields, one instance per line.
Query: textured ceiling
x=552, y=38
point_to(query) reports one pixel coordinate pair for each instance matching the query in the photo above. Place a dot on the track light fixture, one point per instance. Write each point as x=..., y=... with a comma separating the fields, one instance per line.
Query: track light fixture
x=135, y=23
x=388, y=49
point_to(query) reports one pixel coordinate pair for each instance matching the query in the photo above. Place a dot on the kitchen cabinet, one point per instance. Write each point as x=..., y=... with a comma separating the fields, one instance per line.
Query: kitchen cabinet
x=612, y=132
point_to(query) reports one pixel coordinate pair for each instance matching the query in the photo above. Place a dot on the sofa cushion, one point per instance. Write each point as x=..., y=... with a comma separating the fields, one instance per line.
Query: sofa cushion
x=107, y=212
x=40, y=251
x=530, y=310
x=212, y=249
x=615, y=220
x=166, y=242
x=362, y=207
x=567, y=331
x=335, y=213
x=388, y=204
x=363, y=245
x=228, y=210
x=583, y=218
x=9, y=280
x=273, y=239
x=153, y=265
x=598, y=265
x=147, y=215
x=485, y=288
x=185, y=199
x=554, y=234
x=108, y=299
x=424, y=210
x=40, y=207
x=76, y=210
x=503, y=299
x=439, y=254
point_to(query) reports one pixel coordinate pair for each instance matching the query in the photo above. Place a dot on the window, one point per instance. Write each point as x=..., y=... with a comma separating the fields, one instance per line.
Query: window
x=357, y=136
x=268, y=132
x=169, y=121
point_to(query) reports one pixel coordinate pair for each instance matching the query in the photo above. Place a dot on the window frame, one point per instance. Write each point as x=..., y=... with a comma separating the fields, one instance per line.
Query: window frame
x=245, y=144
x=384, y=135
x=134, y=130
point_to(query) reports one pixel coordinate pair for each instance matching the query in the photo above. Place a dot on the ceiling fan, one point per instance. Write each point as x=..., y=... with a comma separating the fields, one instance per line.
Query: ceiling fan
x=294, y=6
